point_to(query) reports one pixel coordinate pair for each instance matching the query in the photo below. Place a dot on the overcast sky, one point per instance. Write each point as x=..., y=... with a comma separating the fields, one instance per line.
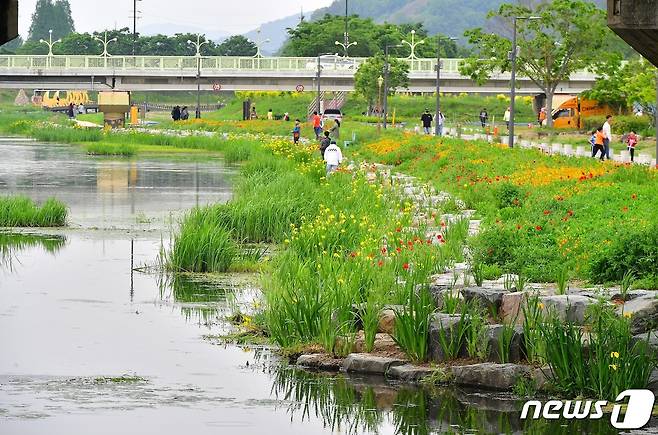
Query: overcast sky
x=230, y=16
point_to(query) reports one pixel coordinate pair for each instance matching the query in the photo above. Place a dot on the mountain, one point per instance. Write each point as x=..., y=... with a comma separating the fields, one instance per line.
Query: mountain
x=276, y=32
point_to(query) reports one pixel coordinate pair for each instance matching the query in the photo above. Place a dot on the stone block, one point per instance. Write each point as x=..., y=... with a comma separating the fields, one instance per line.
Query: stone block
x=443, y=325
x=369, y=364
x=490, y=375
x=386, y=322
x=643, y=311
x=409, y=373
x=569, y=308
x=489, y=297
x=494, y=336
x=319, y=361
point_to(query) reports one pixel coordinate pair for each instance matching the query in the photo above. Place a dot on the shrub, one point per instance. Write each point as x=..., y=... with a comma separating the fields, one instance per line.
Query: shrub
x=21, y=211
x=621, y=124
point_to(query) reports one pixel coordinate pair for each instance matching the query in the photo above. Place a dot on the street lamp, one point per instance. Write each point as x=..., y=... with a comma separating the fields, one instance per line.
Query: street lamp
x=134, y=17
x=346, y=44
x=50, y=44
x=198, y=44
x=319, y=74
x=259, y=42
x=413, y=44
x=513, y=56
x=437, y=128
x=380, y=83
x=105, y=42
x=386, y=85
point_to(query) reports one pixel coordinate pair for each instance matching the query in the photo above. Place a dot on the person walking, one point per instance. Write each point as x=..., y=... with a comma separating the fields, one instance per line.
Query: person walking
x=270, y=115
x=253, y=114
x=427, y=119
x=507, y=117
x=71, y=111
x=335, y=131
x=631, y=143
x=541, y=117
x=607, y=131
x=175, y=113
x=592, y=142
x=317, y=125
x=333, y=157
x=297, y=131
x=484, y=117
x=599, y=143
x=324, y=144
x=440, y=121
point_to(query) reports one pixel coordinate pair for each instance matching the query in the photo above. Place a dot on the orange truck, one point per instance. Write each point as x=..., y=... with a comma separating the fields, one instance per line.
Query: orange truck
x=574, y=111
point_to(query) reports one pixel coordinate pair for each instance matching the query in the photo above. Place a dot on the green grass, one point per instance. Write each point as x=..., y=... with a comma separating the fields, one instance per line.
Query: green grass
x=111, y=149
x=20, y=211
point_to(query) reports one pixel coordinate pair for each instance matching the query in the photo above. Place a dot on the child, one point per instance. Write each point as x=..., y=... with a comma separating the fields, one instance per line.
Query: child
x=297, y=131
x=631, y=142
x=599, y=142
x=592, y=142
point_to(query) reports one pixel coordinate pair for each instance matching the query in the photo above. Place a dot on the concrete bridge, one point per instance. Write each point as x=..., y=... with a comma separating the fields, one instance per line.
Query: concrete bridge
x=178, y=73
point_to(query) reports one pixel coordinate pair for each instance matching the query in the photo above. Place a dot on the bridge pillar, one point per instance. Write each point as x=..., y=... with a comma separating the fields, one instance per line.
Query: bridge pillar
x=8, y=20
x=636, y=22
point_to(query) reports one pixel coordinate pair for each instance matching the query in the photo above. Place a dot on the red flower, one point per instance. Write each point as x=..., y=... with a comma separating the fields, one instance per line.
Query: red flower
x=405, y=266
x=399, y=230
x=399, y=250
x=384, y=251
x=380, y=264
x=429, y=241
x=634, y=196
x=443, y=224
x=570, y=212
x=538, y=228
x=547, y=212
x=625, y=209
x=518, y=227
x=353, y=254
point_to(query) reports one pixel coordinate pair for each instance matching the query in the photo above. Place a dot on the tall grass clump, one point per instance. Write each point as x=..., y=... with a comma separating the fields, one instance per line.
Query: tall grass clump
x=21, y=211
x=202, y=245
x=111, y=149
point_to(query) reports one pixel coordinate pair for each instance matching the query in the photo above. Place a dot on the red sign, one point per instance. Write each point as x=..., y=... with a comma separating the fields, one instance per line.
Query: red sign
x=216, y=87
x=300, y=88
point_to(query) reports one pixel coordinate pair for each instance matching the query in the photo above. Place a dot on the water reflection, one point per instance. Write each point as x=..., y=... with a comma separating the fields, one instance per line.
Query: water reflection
x=11, y=243
x=356, y=405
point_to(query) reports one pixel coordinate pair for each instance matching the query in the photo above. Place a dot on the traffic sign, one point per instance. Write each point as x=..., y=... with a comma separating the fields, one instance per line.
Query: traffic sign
x=216, y=87
x=300, y=88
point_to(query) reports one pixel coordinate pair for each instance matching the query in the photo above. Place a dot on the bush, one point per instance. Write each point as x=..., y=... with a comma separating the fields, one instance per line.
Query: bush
x=636, y=251
x=621, y=124
x=21, y=211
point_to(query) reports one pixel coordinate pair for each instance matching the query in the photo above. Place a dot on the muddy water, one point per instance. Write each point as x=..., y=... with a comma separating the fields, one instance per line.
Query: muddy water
x=88, y=345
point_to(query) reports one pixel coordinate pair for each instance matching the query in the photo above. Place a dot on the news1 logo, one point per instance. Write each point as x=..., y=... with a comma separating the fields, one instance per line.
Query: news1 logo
x=637, y=415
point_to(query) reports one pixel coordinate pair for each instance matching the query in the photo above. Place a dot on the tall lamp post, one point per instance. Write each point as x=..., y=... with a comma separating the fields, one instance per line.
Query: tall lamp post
x=437, y=129
x=198, y=44
x=380, y=83
x=413, y=44
x=259, y=43
x=105, y=42
x=135, y=12
x=386, y=77
x=513, y=57
x=346, y=44
x=318, y=76
x=50, y=44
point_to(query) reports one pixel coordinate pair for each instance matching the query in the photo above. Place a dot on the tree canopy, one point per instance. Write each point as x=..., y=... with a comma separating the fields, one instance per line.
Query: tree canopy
x=49, y=15
x=366, y=80
x=570, y=36
x=237, y=45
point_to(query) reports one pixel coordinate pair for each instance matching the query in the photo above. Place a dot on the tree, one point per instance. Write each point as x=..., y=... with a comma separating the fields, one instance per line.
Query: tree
x=51, y=16
x=11, y=46
x=237, y=45
x=568, y=38
x=366, y=79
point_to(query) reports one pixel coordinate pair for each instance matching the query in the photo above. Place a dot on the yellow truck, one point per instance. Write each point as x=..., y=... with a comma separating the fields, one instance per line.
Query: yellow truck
x=51, y=99
x=573, y=112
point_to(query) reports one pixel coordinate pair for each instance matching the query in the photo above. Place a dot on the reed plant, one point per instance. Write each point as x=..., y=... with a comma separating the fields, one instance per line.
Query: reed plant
x=21, y=211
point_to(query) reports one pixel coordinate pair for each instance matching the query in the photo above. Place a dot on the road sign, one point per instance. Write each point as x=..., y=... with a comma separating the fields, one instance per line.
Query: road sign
x=216, y=87
x=300, y=88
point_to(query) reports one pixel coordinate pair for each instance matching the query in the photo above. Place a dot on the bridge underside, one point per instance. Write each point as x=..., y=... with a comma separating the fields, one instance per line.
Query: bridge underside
x=452, y=83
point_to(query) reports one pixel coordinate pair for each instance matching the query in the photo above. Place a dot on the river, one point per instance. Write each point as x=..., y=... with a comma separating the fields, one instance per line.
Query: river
x=88, y=344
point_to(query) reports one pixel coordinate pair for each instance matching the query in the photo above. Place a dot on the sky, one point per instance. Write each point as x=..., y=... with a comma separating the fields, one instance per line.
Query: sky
x=211, y=16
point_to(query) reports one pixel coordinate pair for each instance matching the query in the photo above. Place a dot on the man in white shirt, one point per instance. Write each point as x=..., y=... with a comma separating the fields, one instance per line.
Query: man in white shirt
x=333, y=157
x=507, y=116
x=607, y=132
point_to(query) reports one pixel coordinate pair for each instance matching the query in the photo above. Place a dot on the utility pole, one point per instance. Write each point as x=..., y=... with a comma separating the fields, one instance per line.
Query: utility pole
x=134, y=25
x=513, y=57
x=198, y=44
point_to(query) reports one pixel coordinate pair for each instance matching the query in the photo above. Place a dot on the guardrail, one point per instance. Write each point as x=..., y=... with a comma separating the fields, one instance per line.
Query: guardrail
x=58, y=62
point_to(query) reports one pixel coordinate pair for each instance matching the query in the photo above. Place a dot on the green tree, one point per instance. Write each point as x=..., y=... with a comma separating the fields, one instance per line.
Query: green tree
x=12, y=46
x=237, y=45
x=49, y=15
x=568, y=37
x=366, y=79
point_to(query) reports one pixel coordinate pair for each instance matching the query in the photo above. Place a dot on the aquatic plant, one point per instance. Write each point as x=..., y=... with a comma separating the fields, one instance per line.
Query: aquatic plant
x=21, y=211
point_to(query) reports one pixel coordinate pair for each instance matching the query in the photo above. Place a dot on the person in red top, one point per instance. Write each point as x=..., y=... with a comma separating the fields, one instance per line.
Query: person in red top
x=631, y=141
x=317, y=125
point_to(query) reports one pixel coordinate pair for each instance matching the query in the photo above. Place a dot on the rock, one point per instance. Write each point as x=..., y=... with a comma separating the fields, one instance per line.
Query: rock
x=319, y=361
x=490, y=298
x=653, y=381
x=569, y=308
x=409, y=373
x=443, y=325
x=441, y=295
x=541, y=377
x=490, y=375
x=651, y=339
x=369, y=364
x=494, y=337
x=383, y=343
x=511, y=307
x=386, y=321
x=643, y=312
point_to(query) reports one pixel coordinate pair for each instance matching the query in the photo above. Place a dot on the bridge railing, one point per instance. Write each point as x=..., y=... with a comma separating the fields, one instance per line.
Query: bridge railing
x=57, y=62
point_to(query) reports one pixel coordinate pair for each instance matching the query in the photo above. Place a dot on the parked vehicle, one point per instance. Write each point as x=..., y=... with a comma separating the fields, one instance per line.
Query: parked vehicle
x=330, y=115
x=50, y=99
x=574, y=111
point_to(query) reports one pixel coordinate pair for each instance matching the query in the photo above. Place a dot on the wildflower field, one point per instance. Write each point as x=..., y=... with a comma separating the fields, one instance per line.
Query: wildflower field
x=543, y=215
